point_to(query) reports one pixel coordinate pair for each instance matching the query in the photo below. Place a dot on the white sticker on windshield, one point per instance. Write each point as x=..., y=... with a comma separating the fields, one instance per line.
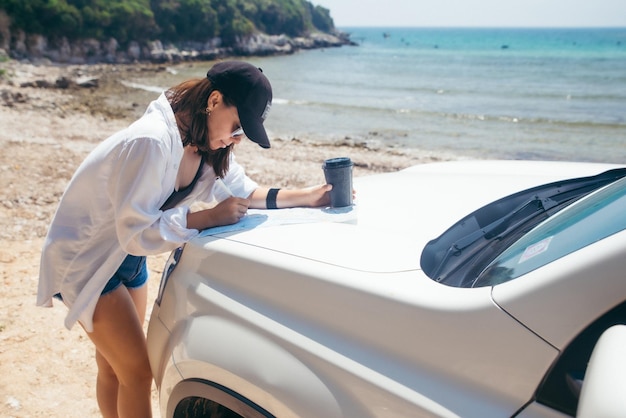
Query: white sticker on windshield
x=535, y=249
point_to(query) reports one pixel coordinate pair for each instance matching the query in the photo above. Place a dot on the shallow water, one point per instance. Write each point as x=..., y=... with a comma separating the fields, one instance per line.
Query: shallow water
x=537, y=94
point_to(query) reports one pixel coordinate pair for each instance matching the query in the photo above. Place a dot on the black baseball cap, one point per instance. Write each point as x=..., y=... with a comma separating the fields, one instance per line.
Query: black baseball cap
x=251, y=90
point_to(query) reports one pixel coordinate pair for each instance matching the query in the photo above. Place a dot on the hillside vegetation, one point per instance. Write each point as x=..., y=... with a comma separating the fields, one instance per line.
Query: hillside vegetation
x=170, y=20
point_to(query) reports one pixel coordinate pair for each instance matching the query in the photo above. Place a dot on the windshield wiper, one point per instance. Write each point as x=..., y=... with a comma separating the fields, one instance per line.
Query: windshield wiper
x=495, y=229
x=461, y=245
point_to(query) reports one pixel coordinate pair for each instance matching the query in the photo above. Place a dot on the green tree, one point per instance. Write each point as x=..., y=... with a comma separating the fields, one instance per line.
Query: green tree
x=290, y=17
x=173, y=20
x=131, y=20
x=232, y=23
x=185, y=19
x=321, y=19
x=124, y=20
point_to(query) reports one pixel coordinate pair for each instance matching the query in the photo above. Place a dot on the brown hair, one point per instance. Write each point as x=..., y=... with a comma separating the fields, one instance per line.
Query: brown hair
x=189, y=100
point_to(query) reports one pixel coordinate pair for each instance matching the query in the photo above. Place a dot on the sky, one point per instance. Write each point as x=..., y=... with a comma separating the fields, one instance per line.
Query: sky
x=477, y=13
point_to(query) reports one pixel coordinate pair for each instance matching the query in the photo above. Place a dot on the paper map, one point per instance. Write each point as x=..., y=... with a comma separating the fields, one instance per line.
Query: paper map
x=258, y=218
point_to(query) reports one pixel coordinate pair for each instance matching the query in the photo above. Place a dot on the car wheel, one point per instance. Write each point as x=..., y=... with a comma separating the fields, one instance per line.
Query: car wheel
x=195, y=407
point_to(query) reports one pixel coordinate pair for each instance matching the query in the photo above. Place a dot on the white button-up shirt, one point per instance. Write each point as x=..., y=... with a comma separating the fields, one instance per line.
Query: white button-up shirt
x=111, y=208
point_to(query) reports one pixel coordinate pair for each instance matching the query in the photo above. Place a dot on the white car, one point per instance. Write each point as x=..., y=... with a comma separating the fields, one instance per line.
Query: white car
x=456, y=289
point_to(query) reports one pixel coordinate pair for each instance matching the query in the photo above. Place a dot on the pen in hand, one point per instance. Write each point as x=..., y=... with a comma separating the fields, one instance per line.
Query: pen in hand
x=240, y=207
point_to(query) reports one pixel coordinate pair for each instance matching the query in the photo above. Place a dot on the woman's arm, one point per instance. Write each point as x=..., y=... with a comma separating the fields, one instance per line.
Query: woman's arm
x=227, y=212
x=314, y=196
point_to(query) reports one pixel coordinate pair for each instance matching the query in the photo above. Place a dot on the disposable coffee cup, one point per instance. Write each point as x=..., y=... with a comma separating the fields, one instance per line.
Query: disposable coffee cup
x=338, y=172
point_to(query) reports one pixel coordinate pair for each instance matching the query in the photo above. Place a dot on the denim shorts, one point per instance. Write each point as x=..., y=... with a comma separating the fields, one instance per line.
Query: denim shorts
x=133, y=273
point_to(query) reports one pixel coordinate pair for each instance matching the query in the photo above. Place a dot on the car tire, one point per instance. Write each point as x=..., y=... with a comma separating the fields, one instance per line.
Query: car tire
x=196, y=407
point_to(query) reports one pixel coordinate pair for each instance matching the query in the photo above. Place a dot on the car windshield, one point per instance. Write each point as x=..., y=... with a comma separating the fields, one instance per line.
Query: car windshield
x=464, y=254
x=590, y=220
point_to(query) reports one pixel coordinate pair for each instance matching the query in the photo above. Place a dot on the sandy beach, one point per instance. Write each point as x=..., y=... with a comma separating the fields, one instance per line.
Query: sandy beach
x=46, y=370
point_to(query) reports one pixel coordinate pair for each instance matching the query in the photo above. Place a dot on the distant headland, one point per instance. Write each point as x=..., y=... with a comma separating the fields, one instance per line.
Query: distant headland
x=144, y=31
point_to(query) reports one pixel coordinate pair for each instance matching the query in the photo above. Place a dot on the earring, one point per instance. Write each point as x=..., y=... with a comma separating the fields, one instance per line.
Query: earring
x=207, y=111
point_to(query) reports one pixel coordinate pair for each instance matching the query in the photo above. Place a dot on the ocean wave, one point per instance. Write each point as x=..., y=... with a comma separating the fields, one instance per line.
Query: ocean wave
x=152, y=89
x=279, y=101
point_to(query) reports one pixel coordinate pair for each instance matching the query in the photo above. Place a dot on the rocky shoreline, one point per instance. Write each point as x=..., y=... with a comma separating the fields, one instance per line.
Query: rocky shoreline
x=39, y=49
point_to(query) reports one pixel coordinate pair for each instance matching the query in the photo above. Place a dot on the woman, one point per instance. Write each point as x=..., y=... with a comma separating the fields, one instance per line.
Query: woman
x=130, y=198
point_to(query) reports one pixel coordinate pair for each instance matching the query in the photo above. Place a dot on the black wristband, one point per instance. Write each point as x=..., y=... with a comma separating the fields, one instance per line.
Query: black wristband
x=270, y=200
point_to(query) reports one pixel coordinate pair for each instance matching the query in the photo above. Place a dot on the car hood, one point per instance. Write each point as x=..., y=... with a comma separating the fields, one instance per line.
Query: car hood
x=397, y=214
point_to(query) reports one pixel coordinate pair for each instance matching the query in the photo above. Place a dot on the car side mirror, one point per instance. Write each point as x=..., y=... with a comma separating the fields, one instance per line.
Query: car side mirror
x=604, y=389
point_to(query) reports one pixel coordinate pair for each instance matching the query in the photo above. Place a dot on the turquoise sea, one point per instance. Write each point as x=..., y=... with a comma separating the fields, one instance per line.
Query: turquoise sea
x=551, y=94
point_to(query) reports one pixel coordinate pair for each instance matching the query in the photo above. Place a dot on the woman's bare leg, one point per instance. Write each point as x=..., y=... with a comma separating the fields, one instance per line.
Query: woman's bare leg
x=121, y=355
x=107, y=387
